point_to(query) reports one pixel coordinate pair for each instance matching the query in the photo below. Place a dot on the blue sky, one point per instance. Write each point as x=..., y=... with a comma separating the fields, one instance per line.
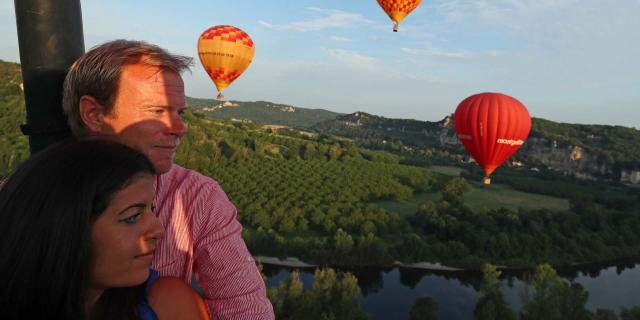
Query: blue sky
x=574, y=61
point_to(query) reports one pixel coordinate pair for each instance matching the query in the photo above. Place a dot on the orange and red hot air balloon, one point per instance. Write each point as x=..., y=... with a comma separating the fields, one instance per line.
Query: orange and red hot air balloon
x=225, y=53
x=491, y=126
x=398, y=9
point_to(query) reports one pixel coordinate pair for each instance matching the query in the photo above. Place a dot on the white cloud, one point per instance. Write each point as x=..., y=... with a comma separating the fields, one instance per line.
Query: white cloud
x=340, y=39
x=322, y=19
x=354, y=59
x=546, y=22
x=266, y=24
x=368, y=66
x=437, y=53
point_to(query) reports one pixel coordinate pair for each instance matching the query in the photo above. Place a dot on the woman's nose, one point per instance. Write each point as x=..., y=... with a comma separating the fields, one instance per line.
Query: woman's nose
x=156, y=230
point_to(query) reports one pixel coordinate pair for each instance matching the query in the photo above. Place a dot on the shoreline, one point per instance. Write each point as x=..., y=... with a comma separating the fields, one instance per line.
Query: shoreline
x=287, y=262
x=294, y=262
x=428, y=266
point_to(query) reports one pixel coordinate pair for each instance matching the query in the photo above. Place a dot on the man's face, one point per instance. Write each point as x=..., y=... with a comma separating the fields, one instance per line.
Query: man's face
x=147, y=113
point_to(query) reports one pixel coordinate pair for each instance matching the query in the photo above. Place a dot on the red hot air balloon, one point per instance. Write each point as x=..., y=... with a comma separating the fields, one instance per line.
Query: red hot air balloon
x=491, y=126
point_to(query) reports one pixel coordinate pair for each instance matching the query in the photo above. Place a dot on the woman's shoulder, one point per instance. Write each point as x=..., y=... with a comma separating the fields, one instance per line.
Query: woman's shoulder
x=172, y=298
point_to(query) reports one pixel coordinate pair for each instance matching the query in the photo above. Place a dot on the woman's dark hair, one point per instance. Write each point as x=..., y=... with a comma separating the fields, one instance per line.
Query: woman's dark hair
x=47, y=208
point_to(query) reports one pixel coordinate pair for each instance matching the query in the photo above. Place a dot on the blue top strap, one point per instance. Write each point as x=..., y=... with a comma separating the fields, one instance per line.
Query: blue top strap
x=144, y=310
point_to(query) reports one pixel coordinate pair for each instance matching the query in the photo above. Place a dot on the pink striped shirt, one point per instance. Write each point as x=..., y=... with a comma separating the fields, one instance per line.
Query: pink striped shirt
x=203, y=236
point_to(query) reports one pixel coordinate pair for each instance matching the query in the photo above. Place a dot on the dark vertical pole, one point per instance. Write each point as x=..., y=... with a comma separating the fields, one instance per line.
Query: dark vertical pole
x=50, y=39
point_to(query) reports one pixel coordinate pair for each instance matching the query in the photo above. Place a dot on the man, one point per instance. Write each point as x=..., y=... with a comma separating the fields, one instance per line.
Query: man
x=133, y=91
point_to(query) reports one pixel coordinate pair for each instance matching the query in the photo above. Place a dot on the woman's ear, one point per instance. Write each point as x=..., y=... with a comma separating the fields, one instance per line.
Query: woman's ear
x=92, y=114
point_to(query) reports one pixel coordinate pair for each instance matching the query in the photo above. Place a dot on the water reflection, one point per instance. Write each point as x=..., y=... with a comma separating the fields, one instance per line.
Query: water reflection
x=372, y=279
x=390, y=293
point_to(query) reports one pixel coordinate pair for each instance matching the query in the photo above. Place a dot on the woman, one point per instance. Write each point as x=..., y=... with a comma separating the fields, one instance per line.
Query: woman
x=78, y=235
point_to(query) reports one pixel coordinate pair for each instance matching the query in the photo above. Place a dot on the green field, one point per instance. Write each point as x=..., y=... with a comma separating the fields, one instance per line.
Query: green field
x=447, y=170
x=482, y=198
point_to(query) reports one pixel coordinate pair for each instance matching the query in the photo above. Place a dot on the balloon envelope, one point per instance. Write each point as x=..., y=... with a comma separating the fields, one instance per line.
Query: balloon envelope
x=398, y=9
x=225, y=53
x=491, y=126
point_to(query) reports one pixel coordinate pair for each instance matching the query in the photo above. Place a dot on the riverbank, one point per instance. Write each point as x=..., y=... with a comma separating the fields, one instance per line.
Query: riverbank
x=294, y=262
x=287, y=262
x=427, y=266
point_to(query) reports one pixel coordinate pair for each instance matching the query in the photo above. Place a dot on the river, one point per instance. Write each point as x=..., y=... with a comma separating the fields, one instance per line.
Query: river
x=390, y=293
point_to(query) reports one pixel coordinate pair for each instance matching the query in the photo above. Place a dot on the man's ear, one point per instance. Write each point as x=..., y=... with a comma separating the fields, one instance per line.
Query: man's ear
x=92, y=114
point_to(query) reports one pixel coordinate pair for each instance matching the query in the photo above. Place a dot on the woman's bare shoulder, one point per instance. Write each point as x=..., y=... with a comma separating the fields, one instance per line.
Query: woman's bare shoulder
x=171, y=298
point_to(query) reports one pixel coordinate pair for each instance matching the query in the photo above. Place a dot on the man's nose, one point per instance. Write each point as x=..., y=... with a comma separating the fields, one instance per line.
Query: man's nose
x=177, y=126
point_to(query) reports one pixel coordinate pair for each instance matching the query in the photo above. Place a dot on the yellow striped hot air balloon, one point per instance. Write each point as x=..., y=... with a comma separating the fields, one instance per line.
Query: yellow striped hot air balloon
x=398, y=9
x=225, y=52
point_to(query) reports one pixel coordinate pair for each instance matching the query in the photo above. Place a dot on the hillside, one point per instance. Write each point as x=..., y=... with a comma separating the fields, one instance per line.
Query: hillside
x=13, y=144
x=585, y=151
x=261, y=112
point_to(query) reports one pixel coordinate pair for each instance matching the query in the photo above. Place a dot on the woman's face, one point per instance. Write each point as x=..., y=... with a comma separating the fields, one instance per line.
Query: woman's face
x=124, y=236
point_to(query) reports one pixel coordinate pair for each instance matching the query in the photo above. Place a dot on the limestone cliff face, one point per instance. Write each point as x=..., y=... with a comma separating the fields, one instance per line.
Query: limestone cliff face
x=573, y=160
x=448, y=134
x=566, y=158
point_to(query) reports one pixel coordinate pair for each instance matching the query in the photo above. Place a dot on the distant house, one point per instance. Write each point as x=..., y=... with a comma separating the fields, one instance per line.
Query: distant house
x=225, y=104
x=517, y=163
x=241, y=120
x=632, y=176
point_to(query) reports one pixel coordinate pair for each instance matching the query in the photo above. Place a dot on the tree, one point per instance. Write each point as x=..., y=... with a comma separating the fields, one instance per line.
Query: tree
x=424, y=308
x=606, y=314
x=291, y=290
x=336, y=292
x=454, y=191
x=413, y=248
x=262, y=219
x=343, y=242
x=309, y=151
x=630, y=314
x=553, y=298
x=332, y=296
x=492, y=304
x=335, y=151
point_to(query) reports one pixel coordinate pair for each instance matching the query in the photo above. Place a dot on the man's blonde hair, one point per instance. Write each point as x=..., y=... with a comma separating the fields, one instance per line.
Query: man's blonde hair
x=97, y=74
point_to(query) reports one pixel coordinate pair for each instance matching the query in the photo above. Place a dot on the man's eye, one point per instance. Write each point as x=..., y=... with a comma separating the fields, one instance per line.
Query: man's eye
x=131, y=219
x=157, y=111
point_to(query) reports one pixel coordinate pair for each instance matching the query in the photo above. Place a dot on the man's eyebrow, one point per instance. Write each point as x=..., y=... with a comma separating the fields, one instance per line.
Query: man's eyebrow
x=135, y=205
x=152, y=106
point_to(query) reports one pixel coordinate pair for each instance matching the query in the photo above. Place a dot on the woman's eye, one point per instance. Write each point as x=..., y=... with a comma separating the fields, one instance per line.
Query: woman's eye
x=132, y=219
